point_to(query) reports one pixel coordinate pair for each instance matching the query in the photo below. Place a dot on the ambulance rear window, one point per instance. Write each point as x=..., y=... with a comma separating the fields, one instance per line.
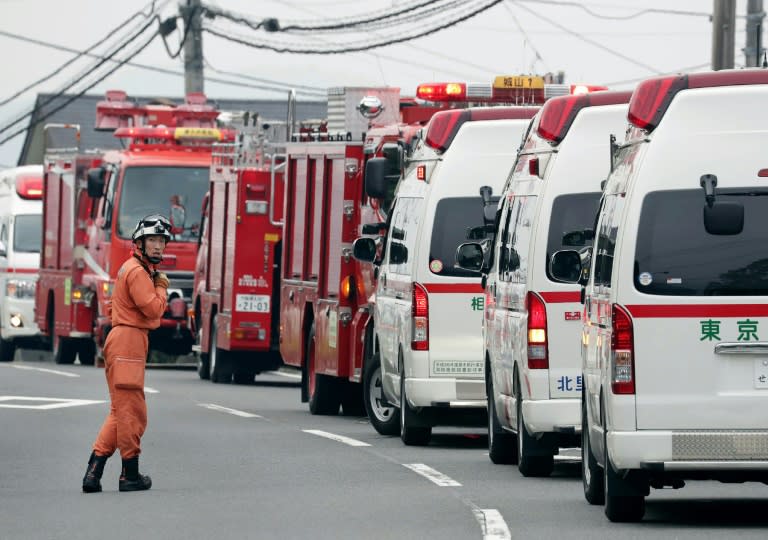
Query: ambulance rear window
x=676, y=256
x=27, y=233
x=454, y=219
x=572, y=223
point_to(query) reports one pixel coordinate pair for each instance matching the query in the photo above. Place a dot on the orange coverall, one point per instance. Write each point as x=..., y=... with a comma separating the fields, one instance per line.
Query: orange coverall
x=137, y=307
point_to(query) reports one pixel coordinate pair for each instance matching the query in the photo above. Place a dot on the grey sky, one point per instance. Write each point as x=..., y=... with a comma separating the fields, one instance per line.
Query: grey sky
x=603, y=41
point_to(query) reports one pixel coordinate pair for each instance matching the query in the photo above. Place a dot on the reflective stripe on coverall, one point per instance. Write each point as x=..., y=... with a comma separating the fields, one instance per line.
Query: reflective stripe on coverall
x=137, y=307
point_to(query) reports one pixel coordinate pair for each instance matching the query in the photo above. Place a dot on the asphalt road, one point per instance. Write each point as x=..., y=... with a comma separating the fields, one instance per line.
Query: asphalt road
x=231, y=461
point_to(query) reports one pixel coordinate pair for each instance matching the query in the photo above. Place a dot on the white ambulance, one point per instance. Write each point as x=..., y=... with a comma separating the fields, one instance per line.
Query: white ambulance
x=532, y=320
x=428, y=311
x=21, y=208
x=675, y=339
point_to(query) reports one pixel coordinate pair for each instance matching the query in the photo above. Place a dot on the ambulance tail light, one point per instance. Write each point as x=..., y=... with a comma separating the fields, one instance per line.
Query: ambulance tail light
x=442, y=91
x=558, y=113
x=29, y=187
x=538, y=353
x=421, y=173
x=420, y=318
x=622, y=349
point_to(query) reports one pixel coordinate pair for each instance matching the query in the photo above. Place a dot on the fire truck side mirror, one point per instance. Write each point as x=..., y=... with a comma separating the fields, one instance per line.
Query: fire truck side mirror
x=364, y=249
x=376, y=178
x=96, y=182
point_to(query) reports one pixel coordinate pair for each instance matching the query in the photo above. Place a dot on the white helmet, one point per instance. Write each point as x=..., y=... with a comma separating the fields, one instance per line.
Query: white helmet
x=152, y=225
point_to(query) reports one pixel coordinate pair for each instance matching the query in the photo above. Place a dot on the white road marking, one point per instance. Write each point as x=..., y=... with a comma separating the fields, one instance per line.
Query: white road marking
x=493, y=524
x=334, y=437
x=43, y=403
x=214, y=407
x=46, y=370
x=432, y=475
x=296, y=376
x=150, y=390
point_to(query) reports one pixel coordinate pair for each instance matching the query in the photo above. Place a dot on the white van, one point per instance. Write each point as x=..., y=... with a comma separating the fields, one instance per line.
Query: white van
x=21, y=208
x=428, y=311
x=675, y=339
x=532, y=321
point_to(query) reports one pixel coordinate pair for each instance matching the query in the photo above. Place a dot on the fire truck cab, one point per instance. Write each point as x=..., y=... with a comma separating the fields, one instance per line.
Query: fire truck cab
x=92, y=202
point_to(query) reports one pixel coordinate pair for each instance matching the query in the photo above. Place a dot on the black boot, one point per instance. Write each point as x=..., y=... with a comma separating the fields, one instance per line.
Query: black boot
x=92, y=478
x=130, y=479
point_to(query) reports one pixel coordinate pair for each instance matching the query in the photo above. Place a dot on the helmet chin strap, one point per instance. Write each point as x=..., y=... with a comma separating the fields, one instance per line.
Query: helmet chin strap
x=153, y=260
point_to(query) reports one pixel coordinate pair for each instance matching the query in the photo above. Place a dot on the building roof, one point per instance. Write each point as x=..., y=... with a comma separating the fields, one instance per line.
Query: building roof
x=82, y=111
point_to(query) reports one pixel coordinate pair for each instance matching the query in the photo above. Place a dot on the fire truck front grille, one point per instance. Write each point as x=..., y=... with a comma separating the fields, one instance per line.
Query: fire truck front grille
x=720, y=445
x=182, y=280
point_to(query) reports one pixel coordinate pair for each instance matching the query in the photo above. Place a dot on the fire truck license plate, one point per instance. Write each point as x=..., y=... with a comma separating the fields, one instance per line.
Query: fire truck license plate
x=258, y=303
x=518, y=82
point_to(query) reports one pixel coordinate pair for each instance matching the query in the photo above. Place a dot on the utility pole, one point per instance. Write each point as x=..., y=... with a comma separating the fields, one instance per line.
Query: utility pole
x=723, y=34
x=193, y=46
x=753, y=52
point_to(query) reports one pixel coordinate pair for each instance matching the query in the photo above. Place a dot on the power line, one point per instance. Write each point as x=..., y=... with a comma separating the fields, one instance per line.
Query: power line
x=80, y=77
x=621, y=17
x=157, y=69
x=587, y=40
x=85, y=52
x=351, y=47
x=525, y=35
x=79, y=94
x=309, y=89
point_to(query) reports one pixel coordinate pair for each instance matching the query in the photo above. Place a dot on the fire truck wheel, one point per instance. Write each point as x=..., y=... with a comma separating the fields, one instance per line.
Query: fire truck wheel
x=323, y=390
x=86, y=352
x=352, y=399
x=530, y=460
x=411, y=435
x=383, y=418
x=502, y=445
x=244, y=375
x=219, y=360
x=7, y=350
x=64, y=350
x=203, y=360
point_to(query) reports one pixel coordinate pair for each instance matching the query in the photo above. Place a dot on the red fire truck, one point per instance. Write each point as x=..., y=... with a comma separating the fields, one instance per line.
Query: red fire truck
x=326, y=295
x=92, y=202
x=236, y=292
x=325, y=292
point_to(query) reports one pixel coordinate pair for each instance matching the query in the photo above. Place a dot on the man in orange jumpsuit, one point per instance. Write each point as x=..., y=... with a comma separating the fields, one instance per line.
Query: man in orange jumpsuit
x=138, y=303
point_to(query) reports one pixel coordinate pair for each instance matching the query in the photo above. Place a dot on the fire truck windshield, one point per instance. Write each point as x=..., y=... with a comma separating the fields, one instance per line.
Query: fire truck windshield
x=154, y=190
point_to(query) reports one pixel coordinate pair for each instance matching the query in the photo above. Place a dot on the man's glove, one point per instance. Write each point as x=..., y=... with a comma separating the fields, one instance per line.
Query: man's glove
x=161, y=280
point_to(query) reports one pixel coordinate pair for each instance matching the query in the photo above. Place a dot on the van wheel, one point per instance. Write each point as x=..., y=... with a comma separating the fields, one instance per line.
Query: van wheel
x=410, y=434
x=502, y=446
x=383, y=418
x=220, y=365
x=323, y=390
x=591, y=473
x=7, y=350
x=619, y=508
x=86, y=352
x=530, y=461
x=64, y=350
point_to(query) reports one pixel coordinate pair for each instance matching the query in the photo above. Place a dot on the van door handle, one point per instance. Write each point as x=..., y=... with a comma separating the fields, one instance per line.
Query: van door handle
x=399, y=296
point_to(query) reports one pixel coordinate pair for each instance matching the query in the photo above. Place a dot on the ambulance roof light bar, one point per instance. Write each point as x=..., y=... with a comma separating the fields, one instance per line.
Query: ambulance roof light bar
x=29, y=186
x=524, y=90
x=652, y=97
x=558, y=114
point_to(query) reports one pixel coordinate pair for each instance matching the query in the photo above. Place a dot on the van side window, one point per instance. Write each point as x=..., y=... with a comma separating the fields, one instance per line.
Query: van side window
x=402, y=235
x=4, y=234
x=513, y=255
x=676, y=255
x=605, y=243
x=571, y=223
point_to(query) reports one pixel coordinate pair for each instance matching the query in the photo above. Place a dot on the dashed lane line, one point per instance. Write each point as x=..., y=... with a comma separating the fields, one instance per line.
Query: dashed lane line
x=235, y=412
x=334, y=437
x=46, y=370
x=150, y=390
x=432, y=475
x=42, y=403
x=492, y=523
